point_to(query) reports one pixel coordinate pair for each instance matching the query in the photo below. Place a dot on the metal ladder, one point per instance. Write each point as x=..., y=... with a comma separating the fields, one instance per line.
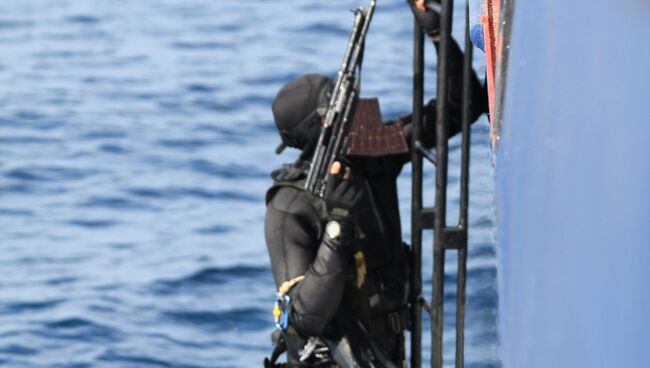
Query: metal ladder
x=434, y=218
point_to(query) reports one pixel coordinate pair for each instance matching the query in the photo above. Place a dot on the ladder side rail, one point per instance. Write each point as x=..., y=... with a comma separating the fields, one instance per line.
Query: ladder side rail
x=461, y=281
x=416, y=197
x=442, y=148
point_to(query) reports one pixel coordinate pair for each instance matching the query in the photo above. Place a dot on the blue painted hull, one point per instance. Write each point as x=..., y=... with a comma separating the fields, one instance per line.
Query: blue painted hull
x=572, y=179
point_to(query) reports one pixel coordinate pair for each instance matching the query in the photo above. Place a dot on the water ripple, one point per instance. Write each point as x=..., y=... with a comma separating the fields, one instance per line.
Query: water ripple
x=28, y=115
x=212, y=45
x=76, y=328
x=321, y=29
x=141, y=361
x=14, y=212
x=82, y=19
x=27, y=188
x=10, y=24
x=92, y=224
x=114, y=149
x=104, y=134
x=52, y=174
x=202, y=88
x=483, y=221
x=221, y=28
x=483, y=272
x=484, y=251
x=270, y=79
x=115, y=203
x=19, y=140
x=175, y=193
x=246, y=319
x=15, y=349
x=214, y=105
x=228, y=171
x=61, y=281
x=185, y=144
x=212, y=276
x=29, y=306
x=212, y=230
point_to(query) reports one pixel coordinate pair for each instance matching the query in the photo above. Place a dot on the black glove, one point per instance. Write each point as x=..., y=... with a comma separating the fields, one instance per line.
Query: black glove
x=342, y=201
x=344, y=196
x=428, y=19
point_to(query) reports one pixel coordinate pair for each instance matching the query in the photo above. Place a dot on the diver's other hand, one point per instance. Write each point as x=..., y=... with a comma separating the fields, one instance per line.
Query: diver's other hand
x=345, y=192
x=427, y=15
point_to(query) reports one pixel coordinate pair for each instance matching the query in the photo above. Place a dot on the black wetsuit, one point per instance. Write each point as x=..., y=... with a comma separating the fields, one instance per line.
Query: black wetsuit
x=327, y=302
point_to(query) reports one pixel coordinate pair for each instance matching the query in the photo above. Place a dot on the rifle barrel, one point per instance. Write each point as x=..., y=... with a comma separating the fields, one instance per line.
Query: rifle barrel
x=341, y=104
x=317, y=159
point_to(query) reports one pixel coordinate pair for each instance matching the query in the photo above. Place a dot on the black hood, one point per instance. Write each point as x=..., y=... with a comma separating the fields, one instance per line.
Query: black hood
x=294, y=110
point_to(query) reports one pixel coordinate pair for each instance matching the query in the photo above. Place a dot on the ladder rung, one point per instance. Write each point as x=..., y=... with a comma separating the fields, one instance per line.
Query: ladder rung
x=427, y=218
x=454, y=238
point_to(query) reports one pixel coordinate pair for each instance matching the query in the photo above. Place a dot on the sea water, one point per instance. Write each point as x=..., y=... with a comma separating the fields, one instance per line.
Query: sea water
x=136, y=141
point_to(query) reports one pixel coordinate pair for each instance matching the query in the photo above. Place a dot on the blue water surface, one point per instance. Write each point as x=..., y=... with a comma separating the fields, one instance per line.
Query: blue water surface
x=136, y=138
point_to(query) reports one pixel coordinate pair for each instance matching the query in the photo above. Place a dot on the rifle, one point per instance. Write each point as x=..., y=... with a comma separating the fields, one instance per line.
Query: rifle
x=331, y=140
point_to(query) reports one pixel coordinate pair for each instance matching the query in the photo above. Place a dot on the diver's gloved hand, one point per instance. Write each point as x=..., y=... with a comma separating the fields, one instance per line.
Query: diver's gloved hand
x=427, y=13
x=343, y=198
x=344, y=194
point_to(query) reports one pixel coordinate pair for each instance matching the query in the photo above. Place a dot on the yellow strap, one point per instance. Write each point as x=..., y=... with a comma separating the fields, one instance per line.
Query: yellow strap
x=287, y=285
x=360, y=261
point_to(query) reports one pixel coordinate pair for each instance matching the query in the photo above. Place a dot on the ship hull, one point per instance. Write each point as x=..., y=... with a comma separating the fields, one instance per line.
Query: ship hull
x=572, y=159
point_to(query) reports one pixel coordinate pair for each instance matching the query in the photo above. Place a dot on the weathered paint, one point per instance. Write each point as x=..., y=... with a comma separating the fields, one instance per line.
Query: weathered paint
x=490, y=42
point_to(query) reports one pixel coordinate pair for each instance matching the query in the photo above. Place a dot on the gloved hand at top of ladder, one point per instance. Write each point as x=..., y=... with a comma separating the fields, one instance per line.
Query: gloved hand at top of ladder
x=427, y=13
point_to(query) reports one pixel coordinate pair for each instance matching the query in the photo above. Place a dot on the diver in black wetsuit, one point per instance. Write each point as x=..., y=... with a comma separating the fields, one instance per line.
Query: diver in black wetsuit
x=339, y=263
